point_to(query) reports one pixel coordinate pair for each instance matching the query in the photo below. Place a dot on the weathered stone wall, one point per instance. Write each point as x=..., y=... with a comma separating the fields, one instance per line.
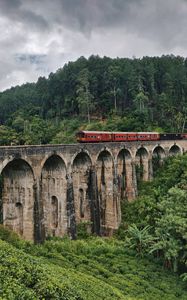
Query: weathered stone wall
x=53, y=187
x=18, y=198
x=48, y=190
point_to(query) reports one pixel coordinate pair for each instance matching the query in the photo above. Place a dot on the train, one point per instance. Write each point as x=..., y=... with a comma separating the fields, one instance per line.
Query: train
x=107, y=136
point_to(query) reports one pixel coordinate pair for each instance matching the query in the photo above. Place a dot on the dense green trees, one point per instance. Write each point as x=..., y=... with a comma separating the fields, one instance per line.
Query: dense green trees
x=156, y=221
x=150, y=92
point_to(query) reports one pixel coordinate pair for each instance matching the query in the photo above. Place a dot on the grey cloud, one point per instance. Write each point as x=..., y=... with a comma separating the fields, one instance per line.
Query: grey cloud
x=156, y=19
x=13, y=9
x=39, y=36
x=161, y=20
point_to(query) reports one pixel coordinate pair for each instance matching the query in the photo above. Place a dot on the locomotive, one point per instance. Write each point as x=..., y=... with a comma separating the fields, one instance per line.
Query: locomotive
x=107, y=136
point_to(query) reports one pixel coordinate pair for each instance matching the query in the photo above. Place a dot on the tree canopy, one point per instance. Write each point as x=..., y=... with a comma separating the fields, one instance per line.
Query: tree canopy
x=150, y=92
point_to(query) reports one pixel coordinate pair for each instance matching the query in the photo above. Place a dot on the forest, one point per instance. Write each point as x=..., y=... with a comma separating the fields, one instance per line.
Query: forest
x=147, y=94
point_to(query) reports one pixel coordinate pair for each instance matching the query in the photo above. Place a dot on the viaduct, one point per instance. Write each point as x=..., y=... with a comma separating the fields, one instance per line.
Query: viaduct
x=47, y=190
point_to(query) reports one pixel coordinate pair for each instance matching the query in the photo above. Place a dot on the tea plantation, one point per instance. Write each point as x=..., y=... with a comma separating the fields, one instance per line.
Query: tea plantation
x=84, y=269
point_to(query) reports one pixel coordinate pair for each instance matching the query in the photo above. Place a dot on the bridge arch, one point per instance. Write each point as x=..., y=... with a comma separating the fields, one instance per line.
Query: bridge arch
x=45, y=159
x=85, y=151
x=105, y=183
x=81, y=168
x=124, y=173
x=158, y=155
x=159, y=151
x=10, y=159
x=53, y=189
x=142, y=163
x=142, y=151
x=127, y=151
x=174, y=150
x=104, y=150
x=18, y=197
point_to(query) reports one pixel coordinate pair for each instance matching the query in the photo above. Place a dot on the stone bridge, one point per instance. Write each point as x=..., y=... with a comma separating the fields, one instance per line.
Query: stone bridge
x=47, y=190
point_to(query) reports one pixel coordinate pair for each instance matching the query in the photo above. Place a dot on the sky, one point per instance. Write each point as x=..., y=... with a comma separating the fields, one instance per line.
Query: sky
x=39, y=36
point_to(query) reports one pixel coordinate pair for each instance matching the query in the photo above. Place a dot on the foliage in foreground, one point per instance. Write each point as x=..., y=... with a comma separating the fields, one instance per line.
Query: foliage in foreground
x=157, y=221
x=83, y=269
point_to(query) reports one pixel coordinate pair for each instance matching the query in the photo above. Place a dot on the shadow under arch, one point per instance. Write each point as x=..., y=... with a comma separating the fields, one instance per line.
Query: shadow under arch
x=124, y=172
x=105, y=183
x=142, y=151
x=141, y=161
x=106, y=151
x=53, y=191
x=81, y=175
x=175, y=150
x=81, y=158
x=81, y=153
x=158, y=156
x=159, y=151
x=18, y=198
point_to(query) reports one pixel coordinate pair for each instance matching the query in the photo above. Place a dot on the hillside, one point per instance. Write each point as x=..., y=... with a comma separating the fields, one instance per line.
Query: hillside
x=97, y=93
x=85, y=269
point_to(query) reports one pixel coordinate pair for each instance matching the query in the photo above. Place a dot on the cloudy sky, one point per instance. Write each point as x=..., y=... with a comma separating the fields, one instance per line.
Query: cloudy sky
x=38, y=36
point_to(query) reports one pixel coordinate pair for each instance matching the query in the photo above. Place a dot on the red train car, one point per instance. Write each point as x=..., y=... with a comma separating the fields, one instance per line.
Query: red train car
x=124, y=136
x=148, y=136
x=94, y=136
x=105, y=136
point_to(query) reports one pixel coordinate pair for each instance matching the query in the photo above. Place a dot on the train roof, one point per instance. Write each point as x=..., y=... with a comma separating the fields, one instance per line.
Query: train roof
x=91, y=132
x=133, y=132
x=147, y=132
x=116, y=132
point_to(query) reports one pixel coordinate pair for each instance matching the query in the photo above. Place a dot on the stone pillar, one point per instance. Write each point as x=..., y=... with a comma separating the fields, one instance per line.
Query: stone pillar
x=131, y=183
x=116, y=197
x=145, y=162
x=39, y=229
x=94, y=201
x=134, y=179
x=72, y=230
x=150, y=169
